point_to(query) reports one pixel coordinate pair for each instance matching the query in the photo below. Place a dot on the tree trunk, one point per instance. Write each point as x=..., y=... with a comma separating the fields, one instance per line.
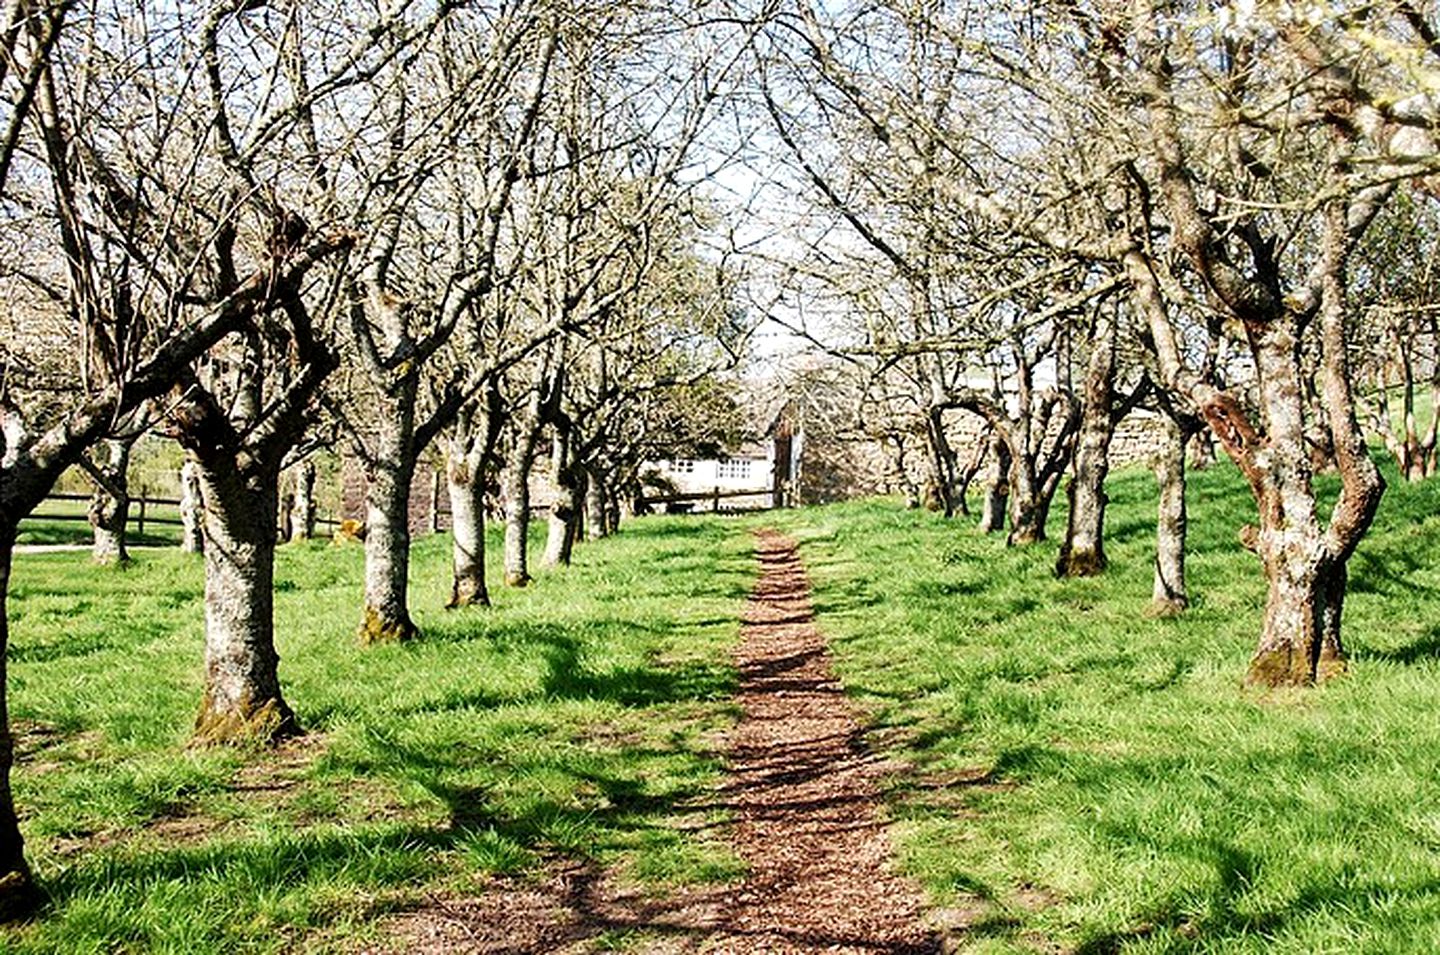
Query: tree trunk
x=302, y=521
x=390, y=467
x=1028, y=507
x=110, y=506
x=1300, y=640
x=614, y=510
x=387, y=546
x=997, y=487
x=942, y=462
x=18, y=893
x=284, y=518
x=1202, y=449
x=597, y=517
x=242, y=698
x=1083, y=552
x=515, y=483
x=1170, y=596
x=192, y=509
x=1304, y=562
x=565, y=506
x=465, y=481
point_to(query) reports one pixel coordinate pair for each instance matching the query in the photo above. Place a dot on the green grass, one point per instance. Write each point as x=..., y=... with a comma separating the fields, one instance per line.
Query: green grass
x=573, y=719
x=1077, y=776
x=1085, y=777
x=65, y=522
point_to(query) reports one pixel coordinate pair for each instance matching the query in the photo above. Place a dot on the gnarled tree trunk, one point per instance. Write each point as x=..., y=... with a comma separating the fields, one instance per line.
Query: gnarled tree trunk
x=110, y=505
x=18, y=892
x=192, y=509
x=1029, y=507
x=1083, y=552
x=242, y=699
x=1169, y=595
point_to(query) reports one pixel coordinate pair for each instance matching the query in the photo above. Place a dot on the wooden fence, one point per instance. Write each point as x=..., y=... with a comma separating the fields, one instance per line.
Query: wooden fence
x=144, y=509
x=713, y=498
x=147, y=510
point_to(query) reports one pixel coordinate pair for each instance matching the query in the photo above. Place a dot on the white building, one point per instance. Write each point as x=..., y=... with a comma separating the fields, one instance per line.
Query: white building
x=703, y=484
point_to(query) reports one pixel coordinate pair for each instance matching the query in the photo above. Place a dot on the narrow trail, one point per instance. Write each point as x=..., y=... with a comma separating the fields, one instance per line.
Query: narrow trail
x=803, y=792
x=805, y=815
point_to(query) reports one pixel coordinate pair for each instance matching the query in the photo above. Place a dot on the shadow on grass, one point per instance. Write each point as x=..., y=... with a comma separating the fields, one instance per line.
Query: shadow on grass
x=570, y=676
x=1426, y=648
x=1219, y=915
x=1389, y=572
x=503, y=807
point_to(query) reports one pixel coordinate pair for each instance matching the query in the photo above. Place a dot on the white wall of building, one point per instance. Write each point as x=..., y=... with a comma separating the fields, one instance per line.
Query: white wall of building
x=739, y=473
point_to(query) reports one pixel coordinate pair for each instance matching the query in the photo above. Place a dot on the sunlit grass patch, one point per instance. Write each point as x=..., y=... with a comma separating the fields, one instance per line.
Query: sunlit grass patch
x=575, y=719
x=1083, y=775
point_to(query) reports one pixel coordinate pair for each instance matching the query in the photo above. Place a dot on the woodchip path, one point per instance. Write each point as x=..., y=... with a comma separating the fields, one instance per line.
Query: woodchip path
x=806, y=821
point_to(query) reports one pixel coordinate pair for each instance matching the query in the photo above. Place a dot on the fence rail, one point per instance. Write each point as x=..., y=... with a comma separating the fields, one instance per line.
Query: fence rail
x=145, y=509
x=714, y=497
x=141, y=505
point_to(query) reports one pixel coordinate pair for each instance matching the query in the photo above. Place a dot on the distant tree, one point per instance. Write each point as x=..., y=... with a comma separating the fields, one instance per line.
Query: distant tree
x=1397, y=281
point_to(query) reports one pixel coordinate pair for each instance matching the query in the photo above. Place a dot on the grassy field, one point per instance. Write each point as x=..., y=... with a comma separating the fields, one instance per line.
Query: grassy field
x=64, y=522
x=1086, y=778
x=570, y=719
x=1077, y=776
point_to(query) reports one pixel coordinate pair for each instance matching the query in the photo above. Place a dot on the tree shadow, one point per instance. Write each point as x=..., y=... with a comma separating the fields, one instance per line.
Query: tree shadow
x=1425, y=648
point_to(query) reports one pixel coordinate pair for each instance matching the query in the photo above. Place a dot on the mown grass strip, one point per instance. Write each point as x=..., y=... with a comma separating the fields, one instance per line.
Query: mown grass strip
x=1088, y=777
x=574, y=719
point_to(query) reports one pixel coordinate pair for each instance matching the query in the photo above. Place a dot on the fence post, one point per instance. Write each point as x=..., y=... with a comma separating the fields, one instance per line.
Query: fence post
x=715, y=502
x=140, y=523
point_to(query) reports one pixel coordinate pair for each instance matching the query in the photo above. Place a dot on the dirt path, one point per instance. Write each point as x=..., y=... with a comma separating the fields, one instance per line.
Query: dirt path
x=806, y=822
x=803, y=791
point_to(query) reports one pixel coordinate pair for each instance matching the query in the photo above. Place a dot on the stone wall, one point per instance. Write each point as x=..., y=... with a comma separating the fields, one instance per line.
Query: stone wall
x=835, y=469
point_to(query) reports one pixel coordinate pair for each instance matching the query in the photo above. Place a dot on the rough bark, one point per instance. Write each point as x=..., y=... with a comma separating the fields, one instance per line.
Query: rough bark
x=18, y=893
x=1304, y=560
x=242, y=699
x=1306, y=564
x=997, y=487
x=1201, y=450
x=1083, y=552
x=110, y=505
x=565, y=505
x=465, y=483
x=1028, y=507
x=1170, y=595
x=515, y=484
x=391, y=469
x=302, y=518
x=192, y=509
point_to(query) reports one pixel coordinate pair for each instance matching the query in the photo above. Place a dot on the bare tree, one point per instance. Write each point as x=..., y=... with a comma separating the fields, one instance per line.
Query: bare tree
x=409, y=300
